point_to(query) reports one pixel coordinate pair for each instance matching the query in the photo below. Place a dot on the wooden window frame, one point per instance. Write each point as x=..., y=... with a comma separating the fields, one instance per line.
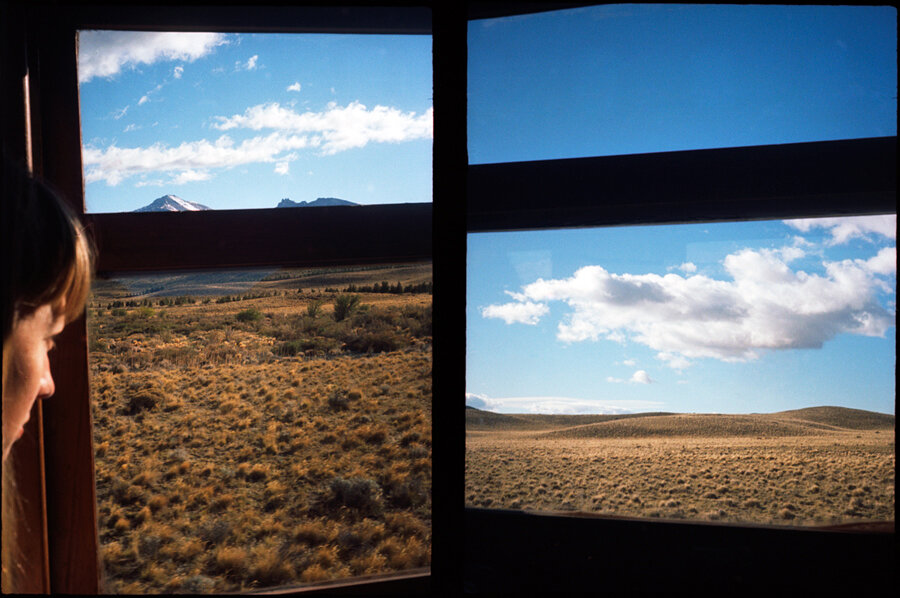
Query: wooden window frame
x=535, y=552
x=55, y=464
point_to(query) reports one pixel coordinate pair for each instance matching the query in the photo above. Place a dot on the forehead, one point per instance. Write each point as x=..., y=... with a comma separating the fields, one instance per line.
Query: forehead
x=49, y=318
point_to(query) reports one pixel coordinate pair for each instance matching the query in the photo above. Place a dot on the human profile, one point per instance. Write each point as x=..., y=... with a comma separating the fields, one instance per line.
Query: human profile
x=47, y=268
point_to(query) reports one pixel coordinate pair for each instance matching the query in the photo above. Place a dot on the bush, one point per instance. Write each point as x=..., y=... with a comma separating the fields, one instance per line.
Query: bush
x=249, y=315
x=362, y=495
x=344, y=306
x=379, y=341
x=312, y=308
x=338, y=400
x=142, y=401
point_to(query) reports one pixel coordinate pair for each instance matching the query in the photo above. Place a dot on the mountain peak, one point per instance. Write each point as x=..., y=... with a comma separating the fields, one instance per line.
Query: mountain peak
x=172, y=203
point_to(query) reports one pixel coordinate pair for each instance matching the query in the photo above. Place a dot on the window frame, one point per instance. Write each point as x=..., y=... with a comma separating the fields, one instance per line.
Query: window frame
x=55, y=467
x=529, y=551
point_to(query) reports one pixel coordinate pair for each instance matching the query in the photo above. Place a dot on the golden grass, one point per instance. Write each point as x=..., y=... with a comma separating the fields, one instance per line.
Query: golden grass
x=832, y=475
x=222, y=479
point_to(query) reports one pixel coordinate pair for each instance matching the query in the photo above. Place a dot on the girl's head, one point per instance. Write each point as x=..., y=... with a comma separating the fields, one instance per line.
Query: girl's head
x=47, y=265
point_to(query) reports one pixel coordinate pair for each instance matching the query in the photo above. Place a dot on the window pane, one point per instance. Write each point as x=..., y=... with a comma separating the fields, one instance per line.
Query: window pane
x=731, y=371
x=630, y=78
x=228, y=121
x=264, y=428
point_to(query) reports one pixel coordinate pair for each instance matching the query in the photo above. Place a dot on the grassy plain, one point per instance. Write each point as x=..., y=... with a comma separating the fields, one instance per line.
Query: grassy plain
x=248, y=436
x=817, y=466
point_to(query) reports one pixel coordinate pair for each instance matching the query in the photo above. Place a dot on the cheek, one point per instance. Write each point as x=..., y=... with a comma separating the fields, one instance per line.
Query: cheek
x=24, y=383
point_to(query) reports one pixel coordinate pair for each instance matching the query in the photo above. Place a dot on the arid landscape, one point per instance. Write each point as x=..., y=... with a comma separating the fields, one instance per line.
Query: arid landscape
x=254, y=433
x=817, y=466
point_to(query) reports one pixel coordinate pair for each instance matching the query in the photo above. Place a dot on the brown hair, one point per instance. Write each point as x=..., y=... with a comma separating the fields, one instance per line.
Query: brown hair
x=47, y=259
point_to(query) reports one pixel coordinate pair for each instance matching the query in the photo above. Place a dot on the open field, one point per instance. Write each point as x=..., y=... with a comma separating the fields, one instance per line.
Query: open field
x=261, y=437
x=818, y=466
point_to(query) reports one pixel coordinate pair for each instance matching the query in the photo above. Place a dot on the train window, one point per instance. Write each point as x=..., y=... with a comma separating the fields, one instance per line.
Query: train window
x=56, y=460
x=261, y=428
x=640, y=115
x=205, y=120
x=696, y=371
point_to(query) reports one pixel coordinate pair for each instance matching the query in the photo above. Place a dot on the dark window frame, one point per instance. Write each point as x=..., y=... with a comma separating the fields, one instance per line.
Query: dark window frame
x=535, y=552
x=55, y=458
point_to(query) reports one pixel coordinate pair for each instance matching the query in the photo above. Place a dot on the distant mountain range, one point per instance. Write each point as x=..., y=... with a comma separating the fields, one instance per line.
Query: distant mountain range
x=173, y=203
x=322, y=201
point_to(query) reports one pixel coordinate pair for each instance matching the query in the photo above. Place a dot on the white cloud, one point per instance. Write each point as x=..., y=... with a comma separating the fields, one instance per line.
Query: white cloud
x=118, y=114
x=766, y=305
x=283, y=168
x=189, y=176
x=144, y=99
x=333, y=130
x=250, y=65
x=106, y=53
x=674, y=360
x=178, y=72
x=843, y=229
x=294, y=87
x=641, y=377
x=114, y=164
x=560, y=405
x=885, y=262
x=339, y=128
x=629, y=362
x=522, y=313
x=688, y=267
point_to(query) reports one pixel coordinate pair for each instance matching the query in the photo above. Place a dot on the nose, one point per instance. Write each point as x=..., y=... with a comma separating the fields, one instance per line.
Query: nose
x=47, y=387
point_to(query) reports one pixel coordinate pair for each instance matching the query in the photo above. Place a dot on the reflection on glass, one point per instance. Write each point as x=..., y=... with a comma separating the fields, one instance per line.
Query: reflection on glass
x=731, y=372
x=175, y=121
x=638, y=78
x=257, y=429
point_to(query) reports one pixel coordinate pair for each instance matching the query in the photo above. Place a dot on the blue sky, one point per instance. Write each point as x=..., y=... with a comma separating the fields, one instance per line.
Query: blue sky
x=725, y=317
x=728, y=317
x=243, y=120
x=623, y=79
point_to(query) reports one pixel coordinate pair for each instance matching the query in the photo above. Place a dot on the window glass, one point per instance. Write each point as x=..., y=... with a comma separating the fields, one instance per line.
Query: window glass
x=634, y=78
x=184, y=121
x=730, y=371
x=264, y=428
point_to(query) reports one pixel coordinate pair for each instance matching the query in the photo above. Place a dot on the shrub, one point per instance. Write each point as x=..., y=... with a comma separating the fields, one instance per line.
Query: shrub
x=362, y=495
x=312, y=308
x=249, y=315
x=231, y=561
x=215, y=533
x=142, y=401
x=338, y=400
x=344, y=306
x=269, y=568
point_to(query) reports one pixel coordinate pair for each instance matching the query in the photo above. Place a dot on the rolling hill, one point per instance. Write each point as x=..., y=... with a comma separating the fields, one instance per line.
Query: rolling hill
x=799, y=422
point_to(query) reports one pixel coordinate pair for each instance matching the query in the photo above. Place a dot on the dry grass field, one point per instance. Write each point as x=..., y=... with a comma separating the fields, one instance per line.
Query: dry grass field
x=256, y=437
x=817, y=466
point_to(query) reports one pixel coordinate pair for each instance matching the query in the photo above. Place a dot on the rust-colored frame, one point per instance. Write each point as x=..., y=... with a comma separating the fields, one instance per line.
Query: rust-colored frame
x=41, y=125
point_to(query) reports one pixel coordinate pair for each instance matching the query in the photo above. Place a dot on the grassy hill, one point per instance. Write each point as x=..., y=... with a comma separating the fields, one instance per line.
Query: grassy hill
x=799, y=422
x=842, y=417
x=477, y=419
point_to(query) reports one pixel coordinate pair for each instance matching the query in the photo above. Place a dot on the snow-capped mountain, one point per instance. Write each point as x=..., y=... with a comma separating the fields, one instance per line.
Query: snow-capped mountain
x=172, y=203
x=322, y=201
